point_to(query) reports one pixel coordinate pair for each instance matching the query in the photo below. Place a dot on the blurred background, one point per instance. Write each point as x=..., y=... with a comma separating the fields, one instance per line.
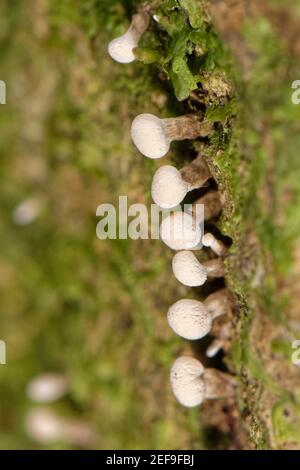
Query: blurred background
x=70, y=303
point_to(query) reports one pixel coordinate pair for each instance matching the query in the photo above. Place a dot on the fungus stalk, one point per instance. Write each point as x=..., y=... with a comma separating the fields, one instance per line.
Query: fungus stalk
x=189, y=126
x=152, y=136
x=192, y=383
x=212, y=205
x=210, y=241
x=222, y=333
x=179, y=231
x=214, y=347
x=121, y=49
x=170, y=186
x=219, y=303
x=196, y=173
x=192, y=319
x=190, y=272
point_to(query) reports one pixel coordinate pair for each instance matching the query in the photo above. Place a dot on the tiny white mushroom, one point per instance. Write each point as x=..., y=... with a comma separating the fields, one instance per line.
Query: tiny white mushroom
x=44, y=426
x=47, y=387
x=179, y=231
x=210, y=241
x=190, y=272
x=170, y=186
x=192, y=383
x=192, y=319
x=182, y=230
x=186, y=381
x=27, y=211
x=47, y=427
x=121, y=48
x=153, y=136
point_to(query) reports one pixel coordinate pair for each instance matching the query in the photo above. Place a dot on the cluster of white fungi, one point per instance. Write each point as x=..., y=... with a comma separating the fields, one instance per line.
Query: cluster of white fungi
x=190, y=319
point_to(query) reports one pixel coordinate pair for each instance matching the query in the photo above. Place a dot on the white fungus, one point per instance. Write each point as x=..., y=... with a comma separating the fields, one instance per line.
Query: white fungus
x=190, y=272
x=168, y=188
x=179, y=231
x=148, y=135
x=192, y=383
x=121, y=49
x=152, y=136
x=47, y=387
x=192, y=319
x=47, y=427
x=27, y=211
x=186, y=381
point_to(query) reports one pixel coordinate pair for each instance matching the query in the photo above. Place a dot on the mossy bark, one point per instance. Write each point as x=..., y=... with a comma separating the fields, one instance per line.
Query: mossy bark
x=247, y=64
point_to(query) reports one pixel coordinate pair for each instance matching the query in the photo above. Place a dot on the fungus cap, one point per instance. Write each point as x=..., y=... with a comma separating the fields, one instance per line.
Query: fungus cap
x=43, y=425
x=188, y=270
x=27, y=211
x=179, y=231
x=47, y=387
x=148, y=135
x=187, y=384
x=121, y=49
x=189, y=319
x=168, y=188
